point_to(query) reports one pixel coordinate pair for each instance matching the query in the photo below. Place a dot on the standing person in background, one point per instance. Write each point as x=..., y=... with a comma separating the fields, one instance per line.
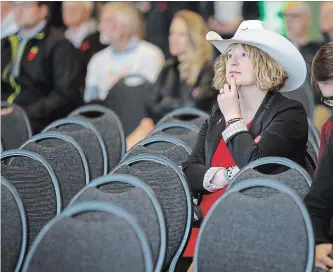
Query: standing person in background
x=326, y=20
x=81, y=27
x=40, y=69
x=8, y=23
x=121, y=28
x=298, y=21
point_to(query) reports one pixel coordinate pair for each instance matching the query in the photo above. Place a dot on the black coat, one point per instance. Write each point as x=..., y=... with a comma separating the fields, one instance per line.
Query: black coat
x=169, y=93
x=90, y=46
x=320, y=199
x=281, y=123
x=51, y=75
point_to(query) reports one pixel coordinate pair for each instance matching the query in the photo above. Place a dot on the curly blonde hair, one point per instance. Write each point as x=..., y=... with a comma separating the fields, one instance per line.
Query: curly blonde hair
x=268, y=74
x=203, y=50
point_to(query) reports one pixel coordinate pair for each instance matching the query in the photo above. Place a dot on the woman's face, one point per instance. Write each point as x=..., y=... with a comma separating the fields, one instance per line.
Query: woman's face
x=178, y=37
x=327, y=91
x=239, y=65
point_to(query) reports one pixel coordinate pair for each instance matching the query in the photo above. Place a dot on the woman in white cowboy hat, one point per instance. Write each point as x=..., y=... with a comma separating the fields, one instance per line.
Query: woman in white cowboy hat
x=252, y=119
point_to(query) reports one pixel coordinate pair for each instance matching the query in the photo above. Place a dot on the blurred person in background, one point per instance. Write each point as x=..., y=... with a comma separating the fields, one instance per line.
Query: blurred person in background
x=8, y=23
x=186, y=78
x=121, y=27
x=322, y=80
x=40, y=69
x=298, y=20
x=326, y=20
x=81, y=27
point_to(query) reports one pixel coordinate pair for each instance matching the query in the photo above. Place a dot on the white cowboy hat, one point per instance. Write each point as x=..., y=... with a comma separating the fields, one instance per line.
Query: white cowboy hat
x=254, y=33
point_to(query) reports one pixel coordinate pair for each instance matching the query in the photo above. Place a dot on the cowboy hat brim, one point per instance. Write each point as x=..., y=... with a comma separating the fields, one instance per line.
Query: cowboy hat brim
x=275, y=45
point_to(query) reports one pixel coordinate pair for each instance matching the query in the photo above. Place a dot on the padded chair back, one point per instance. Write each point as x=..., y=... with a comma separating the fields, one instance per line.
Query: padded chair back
x=296, y=177
x=13, y=228
x=109, y=126
x=91, y=236
x=67, y=159
x=139, y=200
x=191, y=115
x=36, y=184
x=242, y=232
x=165, y=146
x=128, y=101
x=172, y=191
x=15, y=127
x=89, y=138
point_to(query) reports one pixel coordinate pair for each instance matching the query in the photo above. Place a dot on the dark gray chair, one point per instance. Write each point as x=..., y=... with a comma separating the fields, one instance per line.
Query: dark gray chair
x=78, y=240
x=171, y=189
x=313, y=132
x=15, y=127
x=37, y=185
x=109, y=126
x=66, y=158
x=166, y=146
x=296, y=177
x=13, y=228
x=303, y=94
x=191, y=115
x=244, y=233
x=127, y=99
x=89, y=138
x=137, y=198
x=184, y=131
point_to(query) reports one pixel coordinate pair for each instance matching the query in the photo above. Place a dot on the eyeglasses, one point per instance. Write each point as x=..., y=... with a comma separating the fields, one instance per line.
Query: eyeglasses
x=327, y=100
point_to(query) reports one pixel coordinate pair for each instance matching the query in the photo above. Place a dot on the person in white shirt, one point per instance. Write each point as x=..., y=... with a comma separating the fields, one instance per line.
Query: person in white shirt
x=121, y=27
x=8, y=23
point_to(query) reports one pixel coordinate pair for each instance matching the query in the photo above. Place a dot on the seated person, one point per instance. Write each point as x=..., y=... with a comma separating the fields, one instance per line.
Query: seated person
x=120, y=29
x=319, y=202
x=82, y=28
x=8, y=24
x=252, y=119
x=322, y=80
x=186, y=79
x=41, y=71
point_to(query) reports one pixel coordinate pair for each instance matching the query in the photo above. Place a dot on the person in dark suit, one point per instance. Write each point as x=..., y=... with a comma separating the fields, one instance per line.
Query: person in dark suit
x=251, y=119
x=319, y=202
x=82, y=28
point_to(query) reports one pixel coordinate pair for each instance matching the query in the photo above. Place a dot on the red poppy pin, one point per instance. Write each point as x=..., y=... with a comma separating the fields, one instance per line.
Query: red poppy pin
x=163, y=6
x=32, y=53
x=85, y=46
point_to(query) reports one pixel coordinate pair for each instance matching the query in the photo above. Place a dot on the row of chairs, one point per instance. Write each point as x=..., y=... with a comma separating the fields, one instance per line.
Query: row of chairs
x=167, y=146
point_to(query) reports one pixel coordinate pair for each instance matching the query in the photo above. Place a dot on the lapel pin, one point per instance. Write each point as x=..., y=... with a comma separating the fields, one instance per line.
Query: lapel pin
x=219, y=121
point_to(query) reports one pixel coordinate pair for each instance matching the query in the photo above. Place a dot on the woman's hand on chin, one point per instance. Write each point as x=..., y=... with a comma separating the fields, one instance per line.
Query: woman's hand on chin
x=228, y=100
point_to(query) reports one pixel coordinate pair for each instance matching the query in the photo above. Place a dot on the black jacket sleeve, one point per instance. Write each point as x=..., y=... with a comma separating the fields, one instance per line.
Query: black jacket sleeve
x=67, y=77
x=285, y=136
x=319, y=201
x=195, y=166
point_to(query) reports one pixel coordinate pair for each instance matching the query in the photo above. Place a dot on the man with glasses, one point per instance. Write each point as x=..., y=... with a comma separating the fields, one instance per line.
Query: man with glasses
x=40, y=69
x=322, y=79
